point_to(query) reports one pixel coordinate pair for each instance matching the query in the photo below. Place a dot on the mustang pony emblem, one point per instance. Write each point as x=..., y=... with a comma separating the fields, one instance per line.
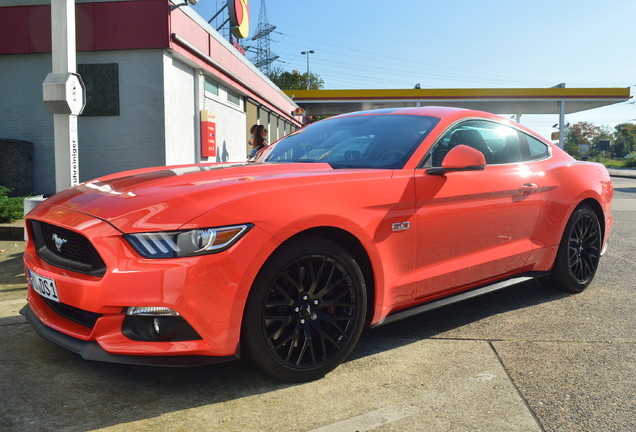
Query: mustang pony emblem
x=58, y=241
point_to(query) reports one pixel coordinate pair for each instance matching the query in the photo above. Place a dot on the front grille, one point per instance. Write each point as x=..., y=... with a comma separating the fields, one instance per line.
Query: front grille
x=76, y=247
x=85, y=318
x=66, y=249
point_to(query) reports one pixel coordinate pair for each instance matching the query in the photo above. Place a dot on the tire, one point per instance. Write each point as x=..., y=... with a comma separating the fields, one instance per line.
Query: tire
x=579, y=252
x=305, y=312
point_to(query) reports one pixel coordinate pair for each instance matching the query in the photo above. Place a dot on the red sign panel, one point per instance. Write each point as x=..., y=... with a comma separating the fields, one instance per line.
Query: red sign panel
x=208, y=134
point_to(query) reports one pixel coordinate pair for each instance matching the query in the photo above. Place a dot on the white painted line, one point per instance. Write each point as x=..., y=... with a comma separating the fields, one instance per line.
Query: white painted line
x=368, y=421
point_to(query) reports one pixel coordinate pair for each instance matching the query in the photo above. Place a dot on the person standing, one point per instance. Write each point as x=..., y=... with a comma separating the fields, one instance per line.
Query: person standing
x=258, y=140
x=251, y=139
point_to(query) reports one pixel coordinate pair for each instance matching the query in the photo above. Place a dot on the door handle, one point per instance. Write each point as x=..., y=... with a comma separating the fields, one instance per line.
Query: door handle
x=528, y=188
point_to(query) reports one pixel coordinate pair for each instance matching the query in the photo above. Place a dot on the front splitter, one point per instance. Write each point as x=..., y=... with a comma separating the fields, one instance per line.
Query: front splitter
x=90, y=350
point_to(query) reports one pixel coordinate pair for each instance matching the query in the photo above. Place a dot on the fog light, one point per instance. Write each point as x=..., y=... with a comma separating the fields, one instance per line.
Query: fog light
x=157, y=328
x=150, y=311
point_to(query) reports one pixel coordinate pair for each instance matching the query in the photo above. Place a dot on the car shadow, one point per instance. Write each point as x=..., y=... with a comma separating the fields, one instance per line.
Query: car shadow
x=435, y=323
x=63, y=392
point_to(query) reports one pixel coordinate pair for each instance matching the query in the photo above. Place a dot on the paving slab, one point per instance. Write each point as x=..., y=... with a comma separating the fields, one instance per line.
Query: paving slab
x=575, y=386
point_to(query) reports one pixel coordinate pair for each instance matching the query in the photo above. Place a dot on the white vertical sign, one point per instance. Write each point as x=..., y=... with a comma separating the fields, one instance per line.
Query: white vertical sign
x=63, y=93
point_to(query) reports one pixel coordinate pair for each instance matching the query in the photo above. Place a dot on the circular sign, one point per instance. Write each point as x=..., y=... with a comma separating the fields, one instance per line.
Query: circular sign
x=239, y=18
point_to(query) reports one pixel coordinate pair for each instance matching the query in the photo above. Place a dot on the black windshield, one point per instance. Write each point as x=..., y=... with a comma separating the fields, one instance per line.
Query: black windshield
x=360, y=141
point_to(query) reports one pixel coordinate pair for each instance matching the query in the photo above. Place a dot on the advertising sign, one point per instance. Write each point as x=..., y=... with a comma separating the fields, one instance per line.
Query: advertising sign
x=239, y=17
x=208, y=134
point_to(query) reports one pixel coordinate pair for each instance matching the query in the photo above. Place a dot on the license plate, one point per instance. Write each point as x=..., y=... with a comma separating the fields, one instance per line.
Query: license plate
x=44, y=286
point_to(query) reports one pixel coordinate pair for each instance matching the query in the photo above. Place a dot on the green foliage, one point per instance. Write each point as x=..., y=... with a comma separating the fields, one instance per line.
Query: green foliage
x=572, y=148
x=295, y=80
x=609, y=163
x=622, y=142
x=625, y=142
x=11, y=208
x=630, y=160
x=605, y=133
x=581, y=133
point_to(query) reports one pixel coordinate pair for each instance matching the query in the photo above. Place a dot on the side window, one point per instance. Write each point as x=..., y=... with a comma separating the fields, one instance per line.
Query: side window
x=504, y=145
x=499, y=143
x=537, y=149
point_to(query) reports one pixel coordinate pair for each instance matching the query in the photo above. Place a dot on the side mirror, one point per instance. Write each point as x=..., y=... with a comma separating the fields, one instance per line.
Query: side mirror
x=460, y=158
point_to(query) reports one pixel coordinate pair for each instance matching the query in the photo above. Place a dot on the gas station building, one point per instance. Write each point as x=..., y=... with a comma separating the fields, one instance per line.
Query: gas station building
x=158, y=78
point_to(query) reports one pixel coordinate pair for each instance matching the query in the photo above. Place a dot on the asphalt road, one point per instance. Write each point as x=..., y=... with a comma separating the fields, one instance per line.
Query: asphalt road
x=522, y=359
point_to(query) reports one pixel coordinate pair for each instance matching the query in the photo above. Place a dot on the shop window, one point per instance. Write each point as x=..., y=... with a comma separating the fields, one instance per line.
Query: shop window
x=211, y=87
x=233, y=99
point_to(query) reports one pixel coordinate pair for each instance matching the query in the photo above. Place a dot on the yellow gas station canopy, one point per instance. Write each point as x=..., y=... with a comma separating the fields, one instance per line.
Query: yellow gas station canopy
x=495, y=100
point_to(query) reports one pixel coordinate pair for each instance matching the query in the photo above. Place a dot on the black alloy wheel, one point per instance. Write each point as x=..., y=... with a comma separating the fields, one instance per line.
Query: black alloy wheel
x=579, y=252
x=306, y=311
x=584, y=249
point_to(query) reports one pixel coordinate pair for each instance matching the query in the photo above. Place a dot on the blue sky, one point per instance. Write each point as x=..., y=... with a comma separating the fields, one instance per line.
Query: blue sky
x=362, y=44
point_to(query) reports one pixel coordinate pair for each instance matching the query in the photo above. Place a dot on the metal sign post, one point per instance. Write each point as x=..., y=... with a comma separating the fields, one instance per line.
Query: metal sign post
x=64, y=94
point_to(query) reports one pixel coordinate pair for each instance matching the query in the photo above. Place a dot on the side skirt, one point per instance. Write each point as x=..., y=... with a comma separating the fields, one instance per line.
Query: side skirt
x=415, y=310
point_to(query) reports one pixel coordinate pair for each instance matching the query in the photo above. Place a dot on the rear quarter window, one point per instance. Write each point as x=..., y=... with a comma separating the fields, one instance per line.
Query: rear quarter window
x=537, y=149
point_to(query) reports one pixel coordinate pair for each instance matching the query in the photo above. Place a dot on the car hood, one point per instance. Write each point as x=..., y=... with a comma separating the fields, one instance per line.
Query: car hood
x=166, y=198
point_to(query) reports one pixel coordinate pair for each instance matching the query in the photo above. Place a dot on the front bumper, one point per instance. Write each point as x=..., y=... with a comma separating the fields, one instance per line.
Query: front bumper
x=90, y=350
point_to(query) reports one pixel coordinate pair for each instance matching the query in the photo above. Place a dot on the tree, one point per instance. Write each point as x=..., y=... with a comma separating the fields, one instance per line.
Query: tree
x=605, y=133
x=622, y=138
x=295, y=80
x=572, y=149
x=625, y=141
x=581, y=133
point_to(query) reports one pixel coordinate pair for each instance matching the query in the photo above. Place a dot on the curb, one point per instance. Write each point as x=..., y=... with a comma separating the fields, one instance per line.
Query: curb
x=12, y=232
x=622, y=172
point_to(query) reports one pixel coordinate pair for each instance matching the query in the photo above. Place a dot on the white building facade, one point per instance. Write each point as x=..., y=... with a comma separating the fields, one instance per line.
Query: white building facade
x=150, y=72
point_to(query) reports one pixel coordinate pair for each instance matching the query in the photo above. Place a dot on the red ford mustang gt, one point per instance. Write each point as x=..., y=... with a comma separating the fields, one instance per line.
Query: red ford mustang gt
x=353, y=221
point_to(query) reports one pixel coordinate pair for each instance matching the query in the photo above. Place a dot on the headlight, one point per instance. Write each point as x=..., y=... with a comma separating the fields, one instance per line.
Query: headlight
x=172, y=244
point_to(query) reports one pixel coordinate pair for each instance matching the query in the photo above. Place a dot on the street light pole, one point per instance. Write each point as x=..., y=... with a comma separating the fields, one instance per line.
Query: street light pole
x=307, y=54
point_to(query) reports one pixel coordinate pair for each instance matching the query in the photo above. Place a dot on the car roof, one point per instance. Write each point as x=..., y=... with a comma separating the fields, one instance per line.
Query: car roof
x=446, y=114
